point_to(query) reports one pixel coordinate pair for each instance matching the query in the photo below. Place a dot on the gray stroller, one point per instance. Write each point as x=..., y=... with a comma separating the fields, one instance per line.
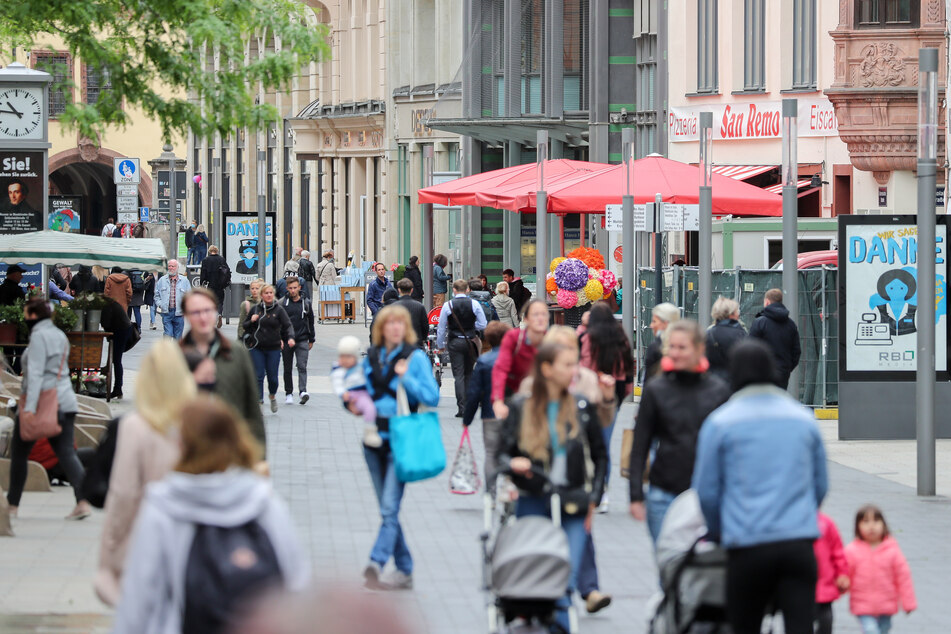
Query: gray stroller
x=692, y=573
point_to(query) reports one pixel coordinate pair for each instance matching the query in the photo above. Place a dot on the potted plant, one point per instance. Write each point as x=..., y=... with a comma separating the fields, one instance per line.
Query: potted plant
x=94, y=311
x=11, y=318
x=65, y=318
x=79, y=305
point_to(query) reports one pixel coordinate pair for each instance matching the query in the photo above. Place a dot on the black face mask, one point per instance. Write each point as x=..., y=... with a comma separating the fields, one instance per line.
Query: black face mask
x=30, y=323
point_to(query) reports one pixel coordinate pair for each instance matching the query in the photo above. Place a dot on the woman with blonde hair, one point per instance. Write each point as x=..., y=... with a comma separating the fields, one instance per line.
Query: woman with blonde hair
x=254, y=296
x=146, y=449
x=392, y=362
x=212, y=535
x=556, y=433
x=505, y=305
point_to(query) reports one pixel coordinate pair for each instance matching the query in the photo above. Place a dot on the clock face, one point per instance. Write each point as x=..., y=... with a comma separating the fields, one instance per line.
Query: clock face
x=21, y=113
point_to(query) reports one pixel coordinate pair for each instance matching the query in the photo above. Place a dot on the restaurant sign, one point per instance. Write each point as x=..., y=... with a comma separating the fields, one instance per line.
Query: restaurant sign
x=752, y=120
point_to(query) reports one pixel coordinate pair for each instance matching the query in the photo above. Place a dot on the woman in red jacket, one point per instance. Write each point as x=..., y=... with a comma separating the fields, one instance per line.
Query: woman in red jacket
x=517, y=354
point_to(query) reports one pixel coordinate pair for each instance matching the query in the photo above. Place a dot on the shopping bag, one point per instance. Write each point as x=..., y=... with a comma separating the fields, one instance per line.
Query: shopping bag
x=464, y=477
x=416, y=441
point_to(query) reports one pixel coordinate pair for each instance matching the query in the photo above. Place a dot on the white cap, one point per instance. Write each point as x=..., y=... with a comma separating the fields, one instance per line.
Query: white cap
x=349, y=345
x=291, y=266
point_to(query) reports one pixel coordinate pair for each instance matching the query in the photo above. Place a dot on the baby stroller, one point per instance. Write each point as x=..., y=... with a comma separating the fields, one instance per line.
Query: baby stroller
x=526, y=569
x=692, y=573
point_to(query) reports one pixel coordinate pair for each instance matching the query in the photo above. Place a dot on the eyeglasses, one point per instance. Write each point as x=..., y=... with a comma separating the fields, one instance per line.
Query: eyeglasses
x=203, y=311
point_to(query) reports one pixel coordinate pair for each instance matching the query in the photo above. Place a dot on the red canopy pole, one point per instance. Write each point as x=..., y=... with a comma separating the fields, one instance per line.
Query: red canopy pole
x=581, y=224
x=561, y=223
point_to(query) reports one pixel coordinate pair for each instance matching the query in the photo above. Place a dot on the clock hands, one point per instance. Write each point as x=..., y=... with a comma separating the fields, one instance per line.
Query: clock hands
x=13, y=111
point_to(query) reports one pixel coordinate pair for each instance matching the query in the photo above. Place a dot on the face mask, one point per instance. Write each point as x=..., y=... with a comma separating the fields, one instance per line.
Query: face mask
x=207, y=387
x=30, y=323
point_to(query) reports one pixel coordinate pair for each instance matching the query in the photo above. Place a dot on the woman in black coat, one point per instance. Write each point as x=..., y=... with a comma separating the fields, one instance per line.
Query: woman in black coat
x=726, y=332
x=268, y=330
x=148, y=298
x=412, y=272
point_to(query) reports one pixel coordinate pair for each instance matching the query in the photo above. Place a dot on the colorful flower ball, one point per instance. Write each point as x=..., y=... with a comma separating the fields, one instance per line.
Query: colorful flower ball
x=550, y=284
x=582, y=298
x=555, y=263
x=593, y=290
x=571, y=275
x=608, y=281
x=566, y=299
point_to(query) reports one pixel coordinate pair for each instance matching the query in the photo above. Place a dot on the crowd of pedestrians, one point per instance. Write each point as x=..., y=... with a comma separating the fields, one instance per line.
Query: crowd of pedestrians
x=190, y=509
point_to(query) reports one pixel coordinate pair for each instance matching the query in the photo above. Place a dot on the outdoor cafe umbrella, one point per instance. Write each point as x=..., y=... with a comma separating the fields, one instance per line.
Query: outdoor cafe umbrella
x=57, y=247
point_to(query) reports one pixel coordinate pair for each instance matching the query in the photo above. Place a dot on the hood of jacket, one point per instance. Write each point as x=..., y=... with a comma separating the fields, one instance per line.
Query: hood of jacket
x=118, y=278
x=777, y=312
x=229, y=498
x=480, y=296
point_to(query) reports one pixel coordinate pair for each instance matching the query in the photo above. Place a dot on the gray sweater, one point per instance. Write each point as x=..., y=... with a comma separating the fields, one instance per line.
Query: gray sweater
x=41, y=364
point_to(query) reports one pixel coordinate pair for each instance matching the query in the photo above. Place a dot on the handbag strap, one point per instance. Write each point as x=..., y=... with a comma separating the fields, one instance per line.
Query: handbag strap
x=62, y=362
x=465, y=437
x=402, y=402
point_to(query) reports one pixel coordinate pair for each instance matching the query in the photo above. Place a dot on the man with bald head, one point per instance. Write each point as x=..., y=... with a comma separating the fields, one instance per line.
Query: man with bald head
x=169, y=291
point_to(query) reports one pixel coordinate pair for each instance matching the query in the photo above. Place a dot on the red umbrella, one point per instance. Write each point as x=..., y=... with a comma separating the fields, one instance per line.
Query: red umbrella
x=471, y=190
x=676, y=182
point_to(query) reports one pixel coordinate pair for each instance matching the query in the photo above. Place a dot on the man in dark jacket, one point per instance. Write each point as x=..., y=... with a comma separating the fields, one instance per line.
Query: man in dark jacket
x=212, y=275
x=780, y=333
x=517, y=291
x=10, y=290
x=84, y=282
x=726, y=332
x=413, y=274
x=301, y=313
x=307, y=273
x=417, y=312
x=376, y=288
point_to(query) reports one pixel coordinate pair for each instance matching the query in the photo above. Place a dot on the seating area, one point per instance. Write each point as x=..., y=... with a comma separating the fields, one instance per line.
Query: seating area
x=339, y=302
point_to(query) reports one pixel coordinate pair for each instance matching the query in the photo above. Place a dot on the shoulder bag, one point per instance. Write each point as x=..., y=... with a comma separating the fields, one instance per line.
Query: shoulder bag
x=44, y=422
x=416, y=440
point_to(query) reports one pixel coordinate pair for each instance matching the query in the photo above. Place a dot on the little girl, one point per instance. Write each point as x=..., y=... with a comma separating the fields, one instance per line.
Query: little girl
x=350, y=384
x=833, y=572
x=879, y=573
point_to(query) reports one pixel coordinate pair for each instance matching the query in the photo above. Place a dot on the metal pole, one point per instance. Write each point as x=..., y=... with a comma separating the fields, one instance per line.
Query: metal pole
x=541, y=216
x=705, y=250
x=658, y=250
x=174, y=220
x=790, y=222
x=214, y=217
x=627, y=239
x=426, y=209
x=927, y=169
x=262, y=217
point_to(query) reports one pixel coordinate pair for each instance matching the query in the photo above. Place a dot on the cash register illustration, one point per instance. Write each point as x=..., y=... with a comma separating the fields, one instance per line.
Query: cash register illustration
x=871, y=333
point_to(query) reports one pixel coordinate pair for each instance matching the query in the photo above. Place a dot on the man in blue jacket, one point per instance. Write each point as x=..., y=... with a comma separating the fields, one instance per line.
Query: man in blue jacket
x=376, y=289
x=760, y=474
x=169, y=291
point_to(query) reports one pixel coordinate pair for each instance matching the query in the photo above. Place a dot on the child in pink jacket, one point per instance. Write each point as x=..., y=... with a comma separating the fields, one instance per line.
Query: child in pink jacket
x=833, y=572
x=879, y=573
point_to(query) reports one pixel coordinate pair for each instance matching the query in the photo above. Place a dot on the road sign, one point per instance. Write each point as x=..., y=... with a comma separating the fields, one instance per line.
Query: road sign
x=127, y=189
x=127, y=217
x=619, y=254
x=673, y=217
x=144, y=214
x=644, y=217
x=127, y=203
x=126, y=170
x=613, y=218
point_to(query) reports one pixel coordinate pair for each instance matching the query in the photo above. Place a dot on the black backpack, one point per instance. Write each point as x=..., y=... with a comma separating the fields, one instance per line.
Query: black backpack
x=138, y=282
x=117, y=232
x=224, y=275
x=226, y=567
x=489, y=309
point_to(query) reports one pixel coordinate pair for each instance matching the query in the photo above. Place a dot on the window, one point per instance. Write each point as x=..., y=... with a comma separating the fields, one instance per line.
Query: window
x=887, y=14
x=754, y=49
x=533, y=24
x=707, y=46
x=95, y=81
x=576, y=52
x=60, y=65
x=804, y=44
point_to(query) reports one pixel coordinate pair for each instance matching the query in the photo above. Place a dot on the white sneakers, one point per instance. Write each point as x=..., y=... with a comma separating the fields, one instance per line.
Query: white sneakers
x=290, y=399
x=304, y=397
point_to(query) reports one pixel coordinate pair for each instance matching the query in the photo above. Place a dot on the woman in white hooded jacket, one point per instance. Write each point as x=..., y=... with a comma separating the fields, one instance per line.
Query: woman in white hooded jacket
x=212, y=485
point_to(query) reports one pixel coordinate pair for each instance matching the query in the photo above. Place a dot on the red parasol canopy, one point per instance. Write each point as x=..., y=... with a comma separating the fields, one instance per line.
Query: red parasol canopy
x=473, y=190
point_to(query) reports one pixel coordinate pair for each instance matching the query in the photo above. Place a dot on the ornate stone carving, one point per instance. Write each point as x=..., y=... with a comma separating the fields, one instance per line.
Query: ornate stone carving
x=88, y=149
x=934, y=11
x=882, y=65
x=843, y=13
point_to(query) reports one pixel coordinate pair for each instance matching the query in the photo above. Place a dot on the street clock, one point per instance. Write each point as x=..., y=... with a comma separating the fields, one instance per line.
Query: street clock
x=21, y=112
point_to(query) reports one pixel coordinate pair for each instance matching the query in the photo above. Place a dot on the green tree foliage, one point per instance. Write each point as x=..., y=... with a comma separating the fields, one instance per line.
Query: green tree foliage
x=158, y=57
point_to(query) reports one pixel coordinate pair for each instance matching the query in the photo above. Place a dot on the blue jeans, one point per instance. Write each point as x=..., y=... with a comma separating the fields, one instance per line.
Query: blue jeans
x=573, y=526
x=136, y=312
x=390, y=542
x=173, y=325
x=875, y=624
x=192, y=255
x=152, y=314
x=606, y=433
x=588, y=574
x=658, y=501
x=266, y=362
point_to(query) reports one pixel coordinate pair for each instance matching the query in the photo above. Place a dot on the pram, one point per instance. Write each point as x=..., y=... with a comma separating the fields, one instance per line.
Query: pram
x=692, y=573
x=526, y=569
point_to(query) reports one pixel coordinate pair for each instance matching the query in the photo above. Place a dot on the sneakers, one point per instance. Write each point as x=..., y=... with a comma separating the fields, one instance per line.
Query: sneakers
x=81, y=512
x=289, y=400
x=304, y=397
x=397, y=580
x=371, y=576
x=273, y=404
x=153, y=327
x=595, y=602
x=603, y=507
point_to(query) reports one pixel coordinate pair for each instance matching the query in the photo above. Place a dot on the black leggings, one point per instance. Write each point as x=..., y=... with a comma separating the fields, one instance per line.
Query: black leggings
x=781, y=575
x=63, y=448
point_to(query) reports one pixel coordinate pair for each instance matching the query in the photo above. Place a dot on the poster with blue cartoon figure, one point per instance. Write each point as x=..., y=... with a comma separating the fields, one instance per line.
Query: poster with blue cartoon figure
x=881, y=297
x=241, y=247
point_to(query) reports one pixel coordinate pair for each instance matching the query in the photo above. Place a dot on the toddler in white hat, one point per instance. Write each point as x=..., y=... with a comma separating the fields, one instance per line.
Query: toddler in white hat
x=350, y=384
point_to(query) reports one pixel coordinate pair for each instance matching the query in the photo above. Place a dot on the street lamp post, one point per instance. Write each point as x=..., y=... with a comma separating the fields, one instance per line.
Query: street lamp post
x=541, y=215
x=790, y=221
x=427, y=212
x=927, y=169
x=262, y=205
x=627, y=237
x=706, y=219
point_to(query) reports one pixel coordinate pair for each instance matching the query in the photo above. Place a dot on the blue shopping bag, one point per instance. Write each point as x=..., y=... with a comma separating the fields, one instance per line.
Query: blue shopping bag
x=416, y=441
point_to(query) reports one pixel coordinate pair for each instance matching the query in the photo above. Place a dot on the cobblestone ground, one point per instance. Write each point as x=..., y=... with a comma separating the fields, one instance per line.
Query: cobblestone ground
x=318, y=467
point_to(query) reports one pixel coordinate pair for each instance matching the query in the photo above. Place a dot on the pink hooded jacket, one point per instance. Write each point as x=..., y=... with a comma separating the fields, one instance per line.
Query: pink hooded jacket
x=830, y=560
x=880, y=578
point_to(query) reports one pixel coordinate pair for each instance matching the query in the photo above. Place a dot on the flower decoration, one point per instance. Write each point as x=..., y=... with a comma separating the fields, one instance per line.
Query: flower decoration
x=566, y=299
x=608, y=281
x=550, y=285
x=571, y=275
x=582, y=298
x=555, y=263
x=593, y=290
x=591, y=257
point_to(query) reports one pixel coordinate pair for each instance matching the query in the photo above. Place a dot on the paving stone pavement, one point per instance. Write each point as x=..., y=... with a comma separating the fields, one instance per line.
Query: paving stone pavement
x=318, y=467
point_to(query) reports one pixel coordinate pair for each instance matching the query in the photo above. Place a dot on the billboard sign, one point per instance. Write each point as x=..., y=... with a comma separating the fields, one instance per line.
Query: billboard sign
x=241, y=246
x=878, y=272
x=21, y=191
x=65, y=213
